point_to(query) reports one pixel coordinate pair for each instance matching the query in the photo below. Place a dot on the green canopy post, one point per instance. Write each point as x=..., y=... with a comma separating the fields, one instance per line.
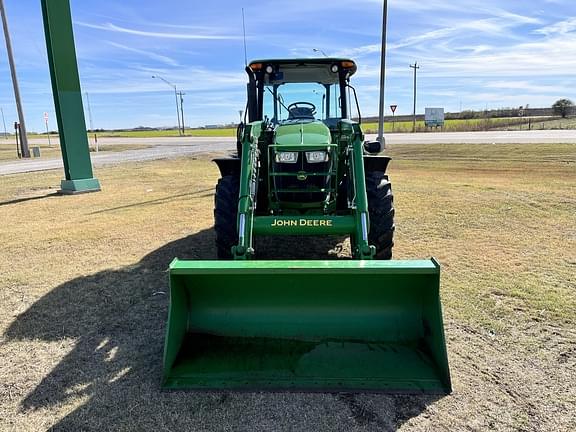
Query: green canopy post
x=68, y=98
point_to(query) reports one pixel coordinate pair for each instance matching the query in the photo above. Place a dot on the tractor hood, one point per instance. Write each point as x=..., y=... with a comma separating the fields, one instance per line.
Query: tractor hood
x=313, y=133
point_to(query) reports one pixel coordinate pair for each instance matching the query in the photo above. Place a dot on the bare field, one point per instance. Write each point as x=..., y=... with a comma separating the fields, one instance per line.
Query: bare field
x=83, y=303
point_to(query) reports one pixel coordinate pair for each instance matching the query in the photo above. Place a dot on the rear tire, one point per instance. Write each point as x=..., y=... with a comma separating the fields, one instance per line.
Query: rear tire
x=225, y=215
x=381, y=212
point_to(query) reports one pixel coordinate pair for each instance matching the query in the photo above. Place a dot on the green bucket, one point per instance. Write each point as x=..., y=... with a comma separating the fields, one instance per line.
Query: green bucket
x=306, y=325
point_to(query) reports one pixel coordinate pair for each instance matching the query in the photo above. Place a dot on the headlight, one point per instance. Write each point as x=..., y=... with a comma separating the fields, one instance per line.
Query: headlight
x=287, y=157
x=317, y=156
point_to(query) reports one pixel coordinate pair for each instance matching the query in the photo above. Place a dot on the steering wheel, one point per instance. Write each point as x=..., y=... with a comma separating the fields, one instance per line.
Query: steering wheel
x=302, y=110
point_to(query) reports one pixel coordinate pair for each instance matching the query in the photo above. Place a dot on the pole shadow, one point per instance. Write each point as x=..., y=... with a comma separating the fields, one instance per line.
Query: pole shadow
x=25, y=199
x=117, y=318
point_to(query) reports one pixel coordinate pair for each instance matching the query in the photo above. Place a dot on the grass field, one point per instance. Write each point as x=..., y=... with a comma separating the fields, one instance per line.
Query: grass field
x=83, y=303
x=557, y=123
x=455, y=125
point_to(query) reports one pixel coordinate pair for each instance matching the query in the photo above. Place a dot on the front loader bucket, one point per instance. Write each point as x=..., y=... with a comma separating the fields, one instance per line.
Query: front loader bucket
x=306, y=325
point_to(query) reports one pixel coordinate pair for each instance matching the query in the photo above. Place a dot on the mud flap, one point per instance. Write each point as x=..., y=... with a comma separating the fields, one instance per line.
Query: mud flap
x=373, y=326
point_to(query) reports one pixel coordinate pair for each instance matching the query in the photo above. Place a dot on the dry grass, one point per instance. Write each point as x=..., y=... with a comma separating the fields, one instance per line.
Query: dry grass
x=82, y=307
x=8, y=152
x=547, y=124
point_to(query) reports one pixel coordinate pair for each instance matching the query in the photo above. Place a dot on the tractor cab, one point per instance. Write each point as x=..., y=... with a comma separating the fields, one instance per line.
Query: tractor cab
x=300, y=90
x=301, y=104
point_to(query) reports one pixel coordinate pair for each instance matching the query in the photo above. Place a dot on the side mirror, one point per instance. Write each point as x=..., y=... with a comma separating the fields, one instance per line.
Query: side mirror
x=373, y=147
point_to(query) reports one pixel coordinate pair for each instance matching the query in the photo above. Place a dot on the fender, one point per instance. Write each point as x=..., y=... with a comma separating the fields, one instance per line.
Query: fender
x=376, y=163
x=228, y=166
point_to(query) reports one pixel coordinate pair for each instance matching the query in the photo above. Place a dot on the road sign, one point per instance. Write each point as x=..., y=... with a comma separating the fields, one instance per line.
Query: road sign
x=46, y=117
x=393, y=108
x=434, y=117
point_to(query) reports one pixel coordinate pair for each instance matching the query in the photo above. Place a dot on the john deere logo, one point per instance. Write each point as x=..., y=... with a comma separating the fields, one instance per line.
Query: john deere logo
x=302, y=223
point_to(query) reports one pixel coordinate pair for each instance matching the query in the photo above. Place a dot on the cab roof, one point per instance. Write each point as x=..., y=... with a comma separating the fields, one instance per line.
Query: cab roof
x=318, y=69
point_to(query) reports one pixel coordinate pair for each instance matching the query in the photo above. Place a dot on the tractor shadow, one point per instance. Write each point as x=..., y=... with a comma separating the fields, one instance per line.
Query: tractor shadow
x=112, y=374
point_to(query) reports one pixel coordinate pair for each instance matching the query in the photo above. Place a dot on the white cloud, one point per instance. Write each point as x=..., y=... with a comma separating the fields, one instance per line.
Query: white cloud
x=117, y=29
x=161, y=58
x=561, y=27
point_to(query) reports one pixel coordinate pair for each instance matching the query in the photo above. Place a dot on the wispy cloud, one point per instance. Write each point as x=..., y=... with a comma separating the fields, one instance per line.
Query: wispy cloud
x=195, y=36
x=561, y=27
x=157, y=57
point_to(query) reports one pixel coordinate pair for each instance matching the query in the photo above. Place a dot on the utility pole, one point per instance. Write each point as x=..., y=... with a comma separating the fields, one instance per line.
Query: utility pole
x=4, y=123
x=175, y=95
x=47, y=129
x=181, y=94
x=415, y=67
x=318, y=50
x=383, y=76
x=91, y=123
x=89, y=111
x=23, y=135
x=16, y=127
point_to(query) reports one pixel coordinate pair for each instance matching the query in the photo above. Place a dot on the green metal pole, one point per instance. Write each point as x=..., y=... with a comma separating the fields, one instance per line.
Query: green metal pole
x=68, y=98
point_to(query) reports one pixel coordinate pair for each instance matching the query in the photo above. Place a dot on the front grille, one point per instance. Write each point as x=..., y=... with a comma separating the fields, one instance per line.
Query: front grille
x=286, y=187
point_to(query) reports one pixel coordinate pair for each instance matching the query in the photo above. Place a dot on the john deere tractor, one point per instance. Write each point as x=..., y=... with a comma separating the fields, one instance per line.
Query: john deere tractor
x=304, y=168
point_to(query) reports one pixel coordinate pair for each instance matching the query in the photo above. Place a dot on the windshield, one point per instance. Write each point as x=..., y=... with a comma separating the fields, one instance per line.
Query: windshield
x=294, y=101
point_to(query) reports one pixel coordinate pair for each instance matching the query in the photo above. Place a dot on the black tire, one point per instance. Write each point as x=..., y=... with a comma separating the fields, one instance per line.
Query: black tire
x=225, y=215
x=381, y=212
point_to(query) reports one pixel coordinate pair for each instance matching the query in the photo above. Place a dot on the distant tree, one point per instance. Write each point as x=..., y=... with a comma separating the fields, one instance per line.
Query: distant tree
x=563, y=107
x=468, y=114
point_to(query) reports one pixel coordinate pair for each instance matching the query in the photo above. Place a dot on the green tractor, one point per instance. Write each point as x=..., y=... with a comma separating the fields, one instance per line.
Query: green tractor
x=304, y=168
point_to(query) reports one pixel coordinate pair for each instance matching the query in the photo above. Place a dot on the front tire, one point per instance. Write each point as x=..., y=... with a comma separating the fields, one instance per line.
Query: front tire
x=226, y=214
x=381, y=212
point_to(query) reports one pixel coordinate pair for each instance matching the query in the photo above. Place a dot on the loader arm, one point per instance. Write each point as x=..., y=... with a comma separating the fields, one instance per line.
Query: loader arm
x=248, y=190
x=357, y=224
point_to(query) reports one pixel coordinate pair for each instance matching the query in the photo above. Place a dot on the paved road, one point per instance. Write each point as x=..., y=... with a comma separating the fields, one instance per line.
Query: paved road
x=491, y=137
x=162, y=149
x=165, y=148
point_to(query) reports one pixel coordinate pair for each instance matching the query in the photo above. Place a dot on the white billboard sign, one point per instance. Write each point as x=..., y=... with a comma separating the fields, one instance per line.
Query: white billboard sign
x=434, y=117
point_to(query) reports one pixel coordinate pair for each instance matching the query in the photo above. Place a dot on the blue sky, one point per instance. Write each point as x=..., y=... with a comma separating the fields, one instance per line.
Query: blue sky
x=473, y=53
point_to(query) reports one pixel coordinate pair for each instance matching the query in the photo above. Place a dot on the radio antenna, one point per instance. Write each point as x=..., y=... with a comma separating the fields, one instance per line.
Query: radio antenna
x=244, y=30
